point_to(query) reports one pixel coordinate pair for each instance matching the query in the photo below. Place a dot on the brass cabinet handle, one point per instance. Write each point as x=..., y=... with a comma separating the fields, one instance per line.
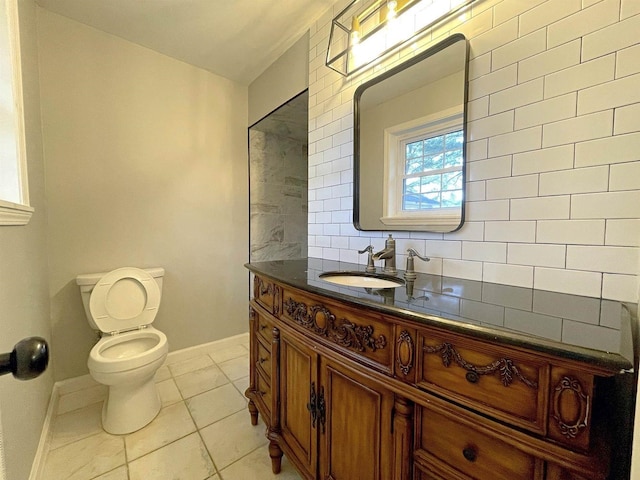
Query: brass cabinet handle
x=262, y=360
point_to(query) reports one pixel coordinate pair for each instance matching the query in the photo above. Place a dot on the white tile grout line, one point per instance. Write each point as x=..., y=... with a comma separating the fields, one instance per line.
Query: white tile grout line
x=239, y=459
x=197, y=430
x=75, y=384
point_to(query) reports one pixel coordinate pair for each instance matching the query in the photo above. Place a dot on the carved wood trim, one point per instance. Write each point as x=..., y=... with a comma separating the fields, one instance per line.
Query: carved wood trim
x=404, y=352
x=570, y=428
x=320, y=320
x=277, y=293
x=504, y=366
x=256, y=286
x=263, y=287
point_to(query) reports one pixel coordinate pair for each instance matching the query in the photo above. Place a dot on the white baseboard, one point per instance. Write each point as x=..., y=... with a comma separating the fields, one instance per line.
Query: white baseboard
x=45, y=437
x=190, y=352
x=75, y=384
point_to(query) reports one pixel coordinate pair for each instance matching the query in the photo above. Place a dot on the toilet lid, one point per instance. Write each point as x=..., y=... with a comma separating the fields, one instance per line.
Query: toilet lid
x=123, y=299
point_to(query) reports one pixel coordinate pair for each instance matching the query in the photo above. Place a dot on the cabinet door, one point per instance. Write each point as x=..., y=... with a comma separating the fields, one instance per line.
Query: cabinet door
x=356, y=438
x=298, y=393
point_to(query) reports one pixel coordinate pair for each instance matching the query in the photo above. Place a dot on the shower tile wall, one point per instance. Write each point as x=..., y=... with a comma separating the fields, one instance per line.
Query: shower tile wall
x=278, y=187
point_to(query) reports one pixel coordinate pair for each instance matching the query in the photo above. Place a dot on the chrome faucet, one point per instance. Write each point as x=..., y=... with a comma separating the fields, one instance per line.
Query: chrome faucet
x=388, y=255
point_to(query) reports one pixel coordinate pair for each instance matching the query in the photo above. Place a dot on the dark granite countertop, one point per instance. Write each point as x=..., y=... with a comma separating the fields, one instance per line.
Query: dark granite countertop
x=599, y=332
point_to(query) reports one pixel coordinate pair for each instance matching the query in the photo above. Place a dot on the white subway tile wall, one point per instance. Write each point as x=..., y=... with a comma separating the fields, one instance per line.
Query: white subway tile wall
x=553, y=176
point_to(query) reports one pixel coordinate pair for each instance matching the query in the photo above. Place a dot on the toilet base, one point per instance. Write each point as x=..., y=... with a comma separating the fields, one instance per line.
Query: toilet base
x=129, y=407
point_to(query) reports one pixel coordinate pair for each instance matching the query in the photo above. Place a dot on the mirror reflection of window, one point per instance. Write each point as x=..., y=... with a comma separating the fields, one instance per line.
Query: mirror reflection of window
x=433, y=172
x=409, y=143
x=424, y=161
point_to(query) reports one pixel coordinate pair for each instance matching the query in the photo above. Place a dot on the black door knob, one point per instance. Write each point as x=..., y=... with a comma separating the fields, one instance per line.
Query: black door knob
x=28, y=359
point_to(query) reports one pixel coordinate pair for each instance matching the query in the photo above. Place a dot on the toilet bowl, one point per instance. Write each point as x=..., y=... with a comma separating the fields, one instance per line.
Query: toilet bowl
x=122, y=304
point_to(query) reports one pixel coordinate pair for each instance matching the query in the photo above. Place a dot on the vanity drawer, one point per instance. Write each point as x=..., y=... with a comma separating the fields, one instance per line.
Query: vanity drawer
x=367, y=338
x=263, y=362
x=432, y=472
x=469, y=452
x=263, y=389
x=264, y=292
x=264, y=329
x=500, y=381
x=421, y=473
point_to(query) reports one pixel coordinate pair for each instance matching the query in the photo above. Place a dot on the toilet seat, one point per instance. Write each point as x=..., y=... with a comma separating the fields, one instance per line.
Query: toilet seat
x=124, y=299
x=127, y=351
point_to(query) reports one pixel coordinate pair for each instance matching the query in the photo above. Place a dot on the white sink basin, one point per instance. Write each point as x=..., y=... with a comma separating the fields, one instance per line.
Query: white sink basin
x=362, y=279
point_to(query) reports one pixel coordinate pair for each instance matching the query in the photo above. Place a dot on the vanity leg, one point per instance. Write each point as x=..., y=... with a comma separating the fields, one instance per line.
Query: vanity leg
x=275, y=452
x=253, y=411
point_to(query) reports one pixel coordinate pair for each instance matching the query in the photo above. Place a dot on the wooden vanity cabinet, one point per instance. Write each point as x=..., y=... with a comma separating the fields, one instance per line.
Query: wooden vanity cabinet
x=353, y=394
x=316, y=422
x=314, y=398
x=312, y=406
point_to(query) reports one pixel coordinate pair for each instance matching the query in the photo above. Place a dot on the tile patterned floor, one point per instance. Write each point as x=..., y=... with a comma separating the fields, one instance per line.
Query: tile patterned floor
x=203, y=431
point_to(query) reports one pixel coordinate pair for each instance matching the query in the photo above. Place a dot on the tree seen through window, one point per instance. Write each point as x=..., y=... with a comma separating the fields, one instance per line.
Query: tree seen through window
x=433, y=172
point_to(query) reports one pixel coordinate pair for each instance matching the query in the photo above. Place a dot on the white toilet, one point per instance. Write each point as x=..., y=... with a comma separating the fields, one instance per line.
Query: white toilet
x=122, y=304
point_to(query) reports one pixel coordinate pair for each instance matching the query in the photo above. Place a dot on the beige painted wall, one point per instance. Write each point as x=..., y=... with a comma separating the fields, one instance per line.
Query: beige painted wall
x=281, y=81
x=146, y=165
x=24, y=299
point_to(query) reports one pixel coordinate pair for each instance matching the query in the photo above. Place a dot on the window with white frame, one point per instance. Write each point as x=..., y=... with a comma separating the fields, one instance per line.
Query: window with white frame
x=423, y=166
x=14, y=195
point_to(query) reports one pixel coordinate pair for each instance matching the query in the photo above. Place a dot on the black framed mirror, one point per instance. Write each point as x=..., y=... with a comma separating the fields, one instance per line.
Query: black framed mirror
x=409, y=143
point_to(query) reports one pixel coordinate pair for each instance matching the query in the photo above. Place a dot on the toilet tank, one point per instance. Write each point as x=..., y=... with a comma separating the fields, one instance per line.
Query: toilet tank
x=87, y=281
